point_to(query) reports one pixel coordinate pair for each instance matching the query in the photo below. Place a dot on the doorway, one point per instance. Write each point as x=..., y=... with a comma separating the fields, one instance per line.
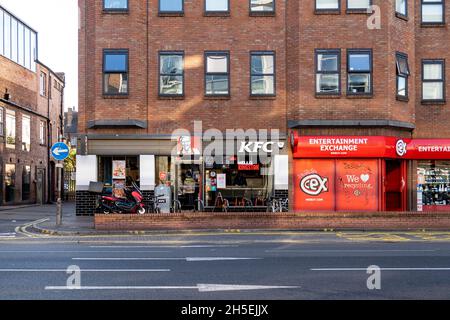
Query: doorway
x=40, y=186
x=188, y=183
x=395, y=185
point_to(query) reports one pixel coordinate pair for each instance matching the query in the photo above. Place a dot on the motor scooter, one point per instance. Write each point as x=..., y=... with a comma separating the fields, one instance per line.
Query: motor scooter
x=132, y=203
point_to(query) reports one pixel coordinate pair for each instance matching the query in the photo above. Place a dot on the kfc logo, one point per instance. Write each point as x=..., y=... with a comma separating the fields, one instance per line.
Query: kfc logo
x=400, y=148
x=313, y=184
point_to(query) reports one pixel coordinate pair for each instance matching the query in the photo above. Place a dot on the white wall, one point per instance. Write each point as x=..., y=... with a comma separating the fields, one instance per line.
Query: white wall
x=87, y=171
x=281, y=172
x=147, y=172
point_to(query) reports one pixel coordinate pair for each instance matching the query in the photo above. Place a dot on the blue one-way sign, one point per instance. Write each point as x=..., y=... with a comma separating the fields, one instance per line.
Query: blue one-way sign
x=60, y=151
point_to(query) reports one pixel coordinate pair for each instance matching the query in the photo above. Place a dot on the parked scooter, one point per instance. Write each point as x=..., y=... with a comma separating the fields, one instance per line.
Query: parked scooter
x=132, y=203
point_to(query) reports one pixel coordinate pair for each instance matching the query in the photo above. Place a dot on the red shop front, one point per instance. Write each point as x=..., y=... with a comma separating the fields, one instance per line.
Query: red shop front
x=349, y=173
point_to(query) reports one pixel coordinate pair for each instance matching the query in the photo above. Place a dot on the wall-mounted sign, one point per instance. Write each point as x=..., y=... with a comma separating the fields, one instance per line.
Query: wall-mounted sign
x=248, y=167
x=256, y=146
x=370, y=147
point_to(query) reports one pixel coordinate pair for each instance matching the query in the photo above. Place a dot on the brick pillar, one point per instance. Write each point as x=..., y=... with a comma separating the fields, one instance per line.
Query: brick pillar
x=86, y=202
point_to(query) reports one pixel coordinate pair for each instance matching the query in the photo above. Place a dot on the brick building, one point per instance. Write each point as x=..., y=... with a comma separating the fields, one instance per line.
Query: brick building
x=31, y=102
x=361, y=97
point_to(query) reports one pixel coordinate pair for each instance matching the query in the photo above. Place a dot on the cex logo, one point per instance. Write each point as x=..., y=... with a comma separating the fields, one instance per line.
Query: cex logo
x=313, y=184
x=401, y=148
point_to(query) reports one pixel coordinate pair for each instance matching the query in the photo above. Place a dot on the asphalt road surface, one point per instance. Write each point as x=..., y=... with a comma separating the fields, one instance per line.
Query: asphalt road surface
x=226, y=267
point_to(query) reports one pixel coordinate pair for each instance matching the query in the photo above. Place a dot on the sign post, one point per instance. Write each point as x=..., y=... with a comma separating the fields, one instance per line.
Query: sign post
x=60, y=151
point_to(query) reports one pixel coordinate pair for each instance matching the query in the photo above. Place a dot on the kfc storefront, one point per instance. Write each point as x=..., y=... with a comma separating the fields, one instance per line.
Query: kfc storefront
x=372, y=173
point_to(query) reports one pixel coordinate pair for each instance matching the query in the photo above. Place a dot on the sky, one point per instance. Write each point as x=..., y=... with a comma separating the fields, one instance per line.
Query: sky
x=56, y=22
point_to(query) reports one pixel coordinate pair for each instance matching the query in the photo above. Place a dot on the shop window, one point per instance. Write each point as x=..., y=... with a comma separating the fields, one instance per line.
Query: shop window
x=359, y=68
x=241, y=183
x=328, y=76
x=117, y=172
x=433, y=186
x=171, y=74
x=433, y=81
x=433, y=12
x=2, y=122
x=358, y=5
x=115, y=72
x=26, y=183
x=217, y=77
x=42, y=132
x=115, y=5
x=401, y=8
x=402, y=75
x=10, y=129
x=26, y=133
x=262, y=74
x=43, y=84
x=262, y=6
x=217, y=6
x=328, y=5
x=10, y=182
x=171, y=6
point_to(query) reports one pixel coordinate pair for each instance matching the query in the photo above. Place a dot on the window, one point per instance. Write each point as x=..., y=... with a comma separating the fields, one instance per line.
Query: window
x=10, y=129
x=402, y=75
x=26, y=133
x=328, y=5
x=1, y=31
x=43, y=84
x=262, y=74
x=401, y=7
x=7, y=31
x=10, y=182
x=115, y=5
x=359, y=68
x=328, y=74
x=217, y=77
x=433, y=78
x=2, y=124
x=17, y=41
x=26, y=183
x=115, y=72
x=21, y=49
x=433, y=11
x=358, y=4
x=14, y=40
x=171, y=6
x=262, y=6
x=171, y=74
x=41, y=132
x=217, y=6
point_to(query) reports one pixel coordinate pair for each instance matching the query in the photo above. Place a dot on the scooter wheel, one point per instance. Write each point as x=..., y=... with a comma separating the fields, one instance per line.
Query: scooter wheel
x=141, y=211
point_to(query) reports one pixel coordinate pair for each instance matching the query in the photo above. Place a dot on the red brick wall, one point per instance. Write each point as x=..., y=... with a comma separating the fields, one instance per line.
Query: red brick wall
x=146, y=34
x=23, y=86
x=275, y=221
x=308, y=31
x=432, y=43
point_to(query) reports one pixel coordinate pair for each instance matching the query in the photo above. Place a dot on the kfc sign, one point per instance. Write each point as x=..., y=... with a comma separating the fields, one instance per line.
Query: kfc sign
x=255, y=147
x=314, y=184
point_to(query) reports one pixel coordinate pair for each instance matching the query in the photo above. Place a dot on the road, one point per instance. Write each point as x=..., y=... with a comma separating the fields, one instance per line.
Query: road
x=223, y=266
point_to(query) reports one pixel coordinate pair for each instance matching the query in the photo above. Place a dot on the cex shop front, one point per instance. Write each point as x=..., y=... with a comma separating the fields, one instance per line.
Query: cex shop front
x=348, y=174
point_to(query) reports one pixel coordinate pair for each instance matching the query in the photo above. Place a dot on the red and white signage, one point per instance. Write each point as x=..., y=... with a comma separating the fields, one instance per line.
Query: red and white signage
x=310, y=147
